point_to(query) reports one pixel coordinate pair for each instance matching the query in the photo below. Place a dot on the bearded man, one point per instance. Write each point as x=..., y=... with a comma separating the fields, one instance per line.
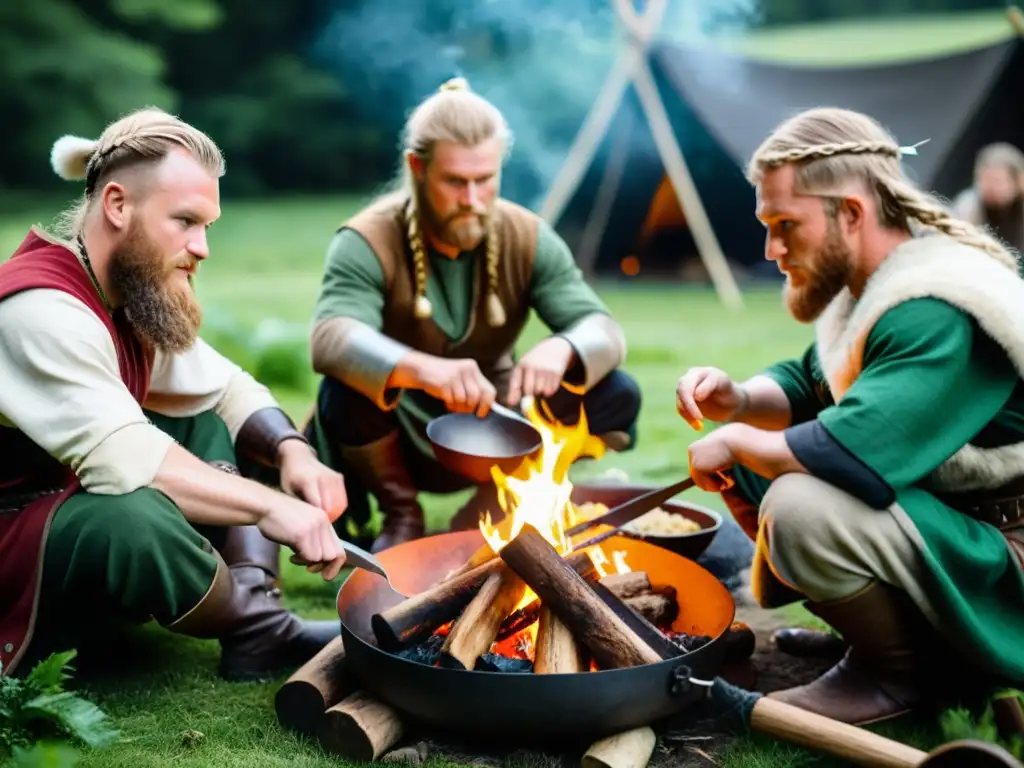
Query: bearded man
x=121, y=431
x=881, y=474
x=996, y=200
x=424, y=297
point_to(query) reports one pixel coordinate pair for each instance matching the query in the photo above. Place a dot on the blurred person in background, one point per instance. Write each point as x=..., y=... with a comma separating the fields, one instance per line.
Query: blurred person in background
x=996, y=200
x=424, y=297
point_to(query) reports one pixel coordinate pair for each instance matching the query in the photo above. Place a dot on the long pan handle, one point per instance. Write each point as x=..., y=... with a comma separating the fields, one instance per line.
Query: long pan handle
x=858, y=745
x=633, y=508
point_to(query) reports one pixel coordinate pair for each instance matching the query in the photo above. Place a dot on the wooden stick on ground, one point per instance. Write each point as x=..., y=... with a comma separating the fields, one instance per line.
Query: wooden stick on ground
x=318, y=684
x=360, y=728
x=565, y=592
x=629, y=749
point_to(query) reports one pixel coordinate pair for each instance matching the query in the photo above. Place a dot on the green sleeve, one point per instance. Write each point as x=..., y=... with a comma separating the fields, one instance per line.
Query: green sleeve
x=930, y=381
x=353, y=282
x=803, y=384
x=567, y=304
x=351, y=347
x=558, y=292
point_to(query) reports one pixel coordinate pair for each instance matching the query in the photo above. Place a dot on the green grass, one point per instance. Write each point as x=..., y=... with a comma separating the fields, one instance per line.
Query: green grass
x=882, y=39
x=265, y=268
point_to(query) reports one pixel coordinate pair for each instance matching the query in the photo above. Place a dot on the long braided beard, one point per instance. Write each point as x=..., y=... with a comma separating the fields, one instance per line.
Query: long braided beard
x=161, y=314
x=828, y=273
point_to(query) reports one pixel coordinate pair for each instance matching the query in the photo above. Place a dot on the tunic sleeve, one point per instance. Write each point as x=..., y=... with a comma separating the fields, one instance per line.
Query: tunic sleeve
x=567, y=305
x=201, y=379
x=803, y=385
x=61, y=386
x=931, y=380
x=346, y=341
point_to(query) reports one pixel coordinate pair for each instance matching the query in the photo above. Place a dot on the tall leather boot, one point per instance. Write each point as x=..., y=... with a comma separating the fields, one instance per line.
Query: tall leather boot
x=380, y=467
x=885, y=672
x=259, y=638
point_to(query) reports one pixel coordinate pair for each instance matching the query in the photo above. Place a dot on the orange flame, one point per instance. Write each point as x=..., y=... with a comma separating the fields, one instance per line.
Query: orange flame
x=538, y=492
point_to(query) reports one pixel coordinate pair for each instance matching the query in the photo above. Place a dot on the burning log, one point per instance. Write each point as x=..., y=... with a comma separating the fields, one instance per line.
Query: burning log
x=317, y=685
x=657, y=609
x=477, y=628
x=414, y=619
x=519, y=620
x=629, y=749
x=612, y=642
x=653, y=637
x=360, y=728
x=628, y=584
x=557, y=650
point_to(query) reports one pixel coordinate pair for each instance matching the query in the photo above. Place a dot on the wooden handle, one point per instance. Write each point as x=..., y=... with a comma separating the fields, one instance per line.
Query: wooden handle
x=808, y=729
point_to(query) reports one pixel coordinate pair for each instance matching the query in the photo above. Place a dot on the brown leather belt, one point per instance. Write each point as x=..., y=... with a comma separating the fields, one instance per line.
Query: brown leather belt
x=1001, y=507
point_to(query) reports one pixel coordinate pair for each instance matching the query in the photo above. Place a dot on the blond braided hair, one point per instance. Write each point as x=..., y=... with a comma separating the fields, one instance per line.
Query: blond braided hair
x=140, y=137
x=833, y=147
x=458, y=115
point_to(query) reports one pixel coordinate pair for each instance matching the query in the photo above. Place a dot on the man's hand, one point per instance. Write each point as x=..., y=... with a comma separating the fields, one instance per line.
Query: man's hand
x=711, y=458
x=304, y=476
x=540, y=371
x=459, y=383
x=708, y=393
x=308, y=531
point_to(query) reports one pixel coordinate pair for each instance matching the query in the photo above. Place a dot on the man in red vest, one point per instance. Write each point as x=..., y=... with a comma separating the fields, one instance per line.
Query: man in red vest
x=122, y=431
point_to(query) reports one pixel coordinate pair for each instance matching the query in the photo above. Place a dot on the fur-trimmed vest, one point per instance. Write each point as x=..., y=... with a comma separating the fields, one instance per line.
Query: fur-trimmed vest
x=939, y=267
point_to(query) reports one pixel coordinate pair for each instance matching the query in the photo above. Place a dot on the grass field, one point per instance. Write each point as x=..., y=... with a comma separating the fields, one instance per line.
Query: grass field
x=265, y=268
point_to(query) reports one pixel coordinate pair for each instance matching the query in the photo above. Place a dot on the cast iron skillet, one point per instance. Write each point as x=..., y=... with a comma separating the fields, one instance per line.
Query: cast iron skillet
x=520, y=708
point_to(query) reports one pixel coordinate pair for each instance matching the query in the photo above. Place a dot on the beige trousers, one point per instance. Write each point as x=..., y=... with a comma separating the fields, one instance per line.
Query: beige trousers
x=819, y=543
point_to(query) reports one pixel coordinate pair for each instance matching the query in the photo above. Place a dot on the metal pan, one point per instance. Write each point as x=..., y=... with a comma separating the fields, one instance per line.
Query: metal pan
x=468, y=445
x=520, y=708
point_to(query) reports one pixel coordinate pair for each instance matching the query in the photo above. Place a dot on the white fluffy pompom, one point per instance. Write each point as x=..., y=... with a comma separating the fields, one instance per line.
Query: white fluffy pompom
x=70, y=155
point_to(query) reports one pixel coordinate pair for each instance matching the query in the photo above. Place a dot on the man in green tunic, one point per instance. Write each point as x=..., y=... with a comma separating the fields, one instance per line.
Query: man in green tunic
x=424, y=297
x=881, y=474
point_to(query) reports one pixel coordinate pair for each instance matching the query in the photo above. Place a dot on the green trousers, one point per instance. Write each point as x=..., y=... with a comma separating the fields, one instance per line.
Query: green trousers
x=111, y=560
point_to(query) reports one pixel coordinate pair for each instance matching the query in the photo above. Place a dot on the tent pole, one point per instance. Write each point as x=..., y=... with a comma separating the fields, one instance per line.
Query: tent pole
x=682, y=183
x=595, y=126
x=590, y=242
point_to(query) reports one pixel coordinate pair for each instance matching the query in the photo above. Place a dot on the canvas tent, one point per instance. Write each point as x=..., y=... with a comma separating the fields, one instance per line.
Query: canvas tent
x=611, y=200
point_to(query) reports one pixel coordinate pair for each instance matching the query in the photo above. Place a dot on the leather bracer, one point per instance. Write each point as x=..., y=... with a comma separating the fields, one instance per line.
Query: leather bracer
x=262, y=434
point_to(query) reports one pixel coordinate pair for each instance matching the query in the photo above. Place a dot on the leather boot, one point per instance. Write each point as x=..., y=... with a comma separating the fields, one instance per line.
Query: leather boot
x=380, y=467
x=807, y=643
x=883, y=673
x=259, y=638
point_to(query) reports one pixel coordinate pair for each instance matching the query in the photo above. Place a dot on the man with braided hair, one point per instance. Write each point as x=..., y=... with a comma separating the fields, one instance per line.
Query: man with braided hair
x=424, y=297
x=996, y=199
x=881, y=474
x=121, y=432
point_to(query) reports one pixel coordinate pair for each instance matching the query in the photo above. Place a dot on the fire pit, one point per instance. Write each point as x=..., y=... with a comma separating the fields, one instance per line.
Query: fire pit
x=531, y=706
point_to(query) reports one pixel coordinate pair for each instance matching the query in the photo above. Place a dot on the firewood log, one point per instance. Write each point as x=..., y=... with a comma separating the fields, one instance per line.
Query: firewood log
x=360, y=728
x=610, y=640
x=557, y=651
x=629, y=749
x=317, y=685
x=477, y=627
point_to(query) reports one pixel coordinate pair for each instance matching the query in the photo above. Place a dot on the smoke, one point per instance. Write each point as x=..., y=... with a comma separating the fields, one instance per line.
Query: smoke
x=542, y=62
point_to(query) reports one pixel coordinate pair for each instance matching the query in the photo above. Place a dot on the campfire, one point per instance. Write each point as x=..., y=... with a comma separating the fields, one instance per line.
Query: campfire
x=551, y=637
x=529, y=600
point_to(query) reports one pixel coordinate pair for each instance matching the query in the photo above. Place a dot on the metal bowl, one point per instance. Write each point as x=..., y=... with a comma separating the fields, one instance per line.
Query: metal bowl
x=468, y=445
x=689, y=545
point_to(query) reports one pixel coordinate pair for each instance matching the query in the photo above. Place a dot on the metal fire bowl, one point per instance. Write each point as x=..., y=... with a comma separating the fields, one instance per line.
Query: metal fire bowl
x=516, y=709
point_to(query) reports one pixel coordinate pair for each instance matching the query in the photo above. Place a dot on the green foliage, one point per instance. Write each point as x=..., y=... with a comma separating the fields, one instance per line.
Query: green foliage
x=181, y=14
x=961, y=723
x=37, y=715
x=275, y=353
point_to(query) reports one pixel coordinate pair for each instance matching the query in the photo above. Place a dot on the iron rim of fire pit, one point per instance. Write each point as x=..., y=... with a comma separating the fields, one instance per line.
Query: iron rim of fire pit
x=506, y=707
